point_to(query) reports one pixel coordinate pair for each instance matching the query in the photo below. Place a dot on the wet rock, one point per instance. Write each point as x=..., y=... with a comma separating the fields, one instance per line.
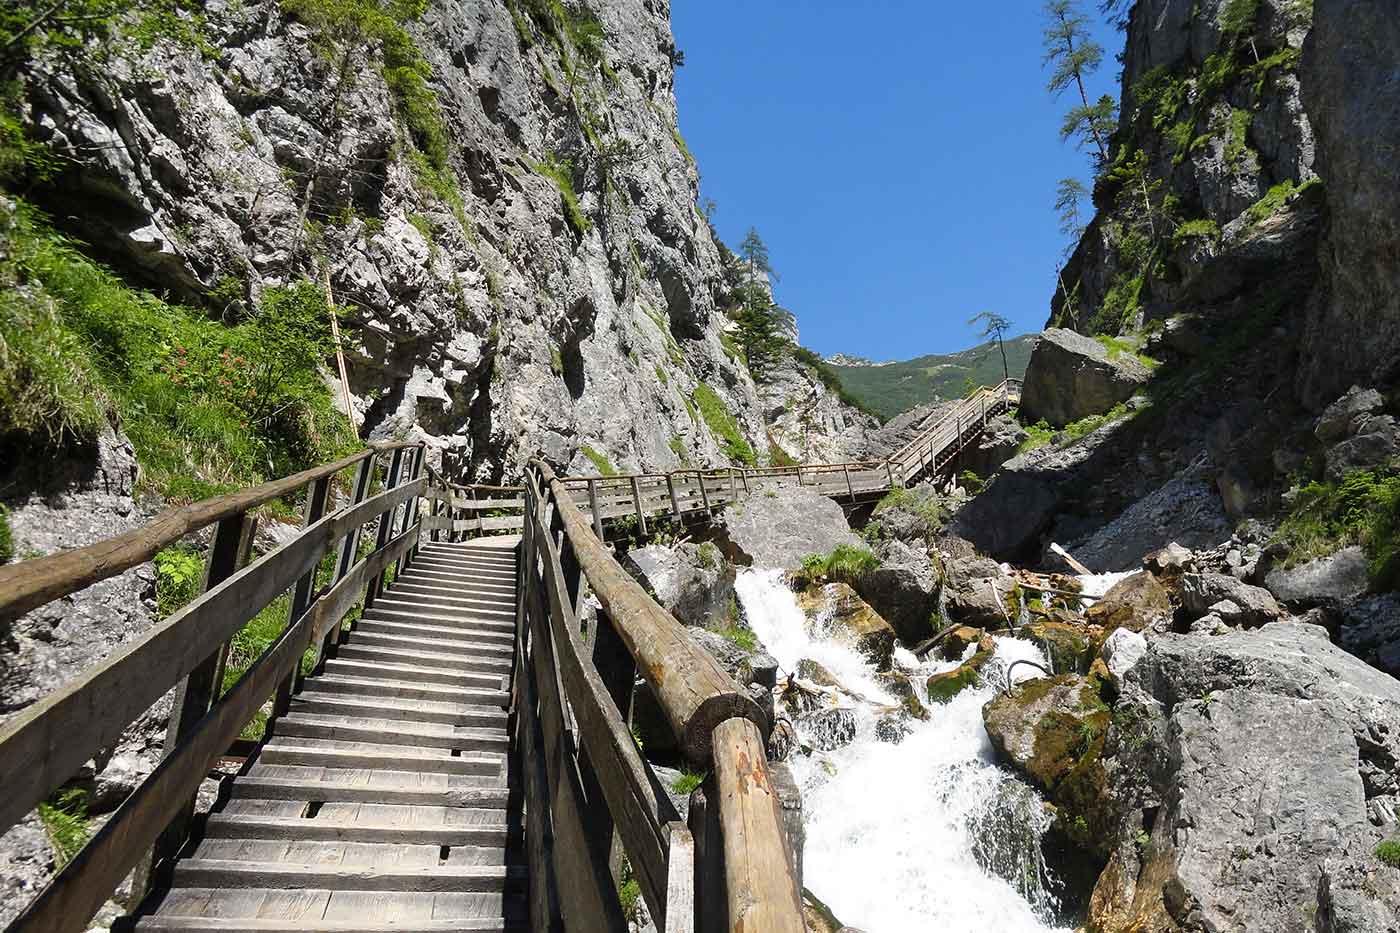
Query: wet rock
x=835, y=607
x=779, y=526
x=1138, y=604
x=1370, y=630
x=1071, y=376
x=830, y=729
x=942, y=687
x=818, y=918
x=782, y=740
x=1252, y=605
x=1052, y=730
x=1327, y=581
x=978, y=592
x=693, y=582
x=813, y=671
x=903, y=589
x=893, y=728
x=1067, y=646
x=955, y=644
x=898, y=685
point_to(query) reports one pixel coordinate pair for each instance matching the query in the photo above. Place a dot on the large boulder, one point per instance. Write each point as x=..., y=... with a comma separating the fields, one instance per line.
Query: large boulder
x=978, y=592
x=1234, y=600
x=913, y=515
x=836, y=607
x=693, y=582
x=903, y=589
x=1370, y=630
x=1328, y=581
x=1071, y=376
x=997, y=443
x=1246, y=766
x=778, y=526
x=1052, y=730
x=1138, y=603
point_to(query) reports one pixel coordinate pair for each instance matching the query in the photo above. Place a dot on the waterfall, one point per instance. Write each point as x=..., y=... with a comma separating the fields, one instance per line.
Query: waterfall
x=925, y=833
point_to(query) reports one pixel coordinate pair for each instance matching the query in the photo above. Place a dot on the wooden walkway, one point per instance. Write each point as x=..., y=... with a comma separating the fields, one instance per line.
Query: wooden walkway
x=382, y=801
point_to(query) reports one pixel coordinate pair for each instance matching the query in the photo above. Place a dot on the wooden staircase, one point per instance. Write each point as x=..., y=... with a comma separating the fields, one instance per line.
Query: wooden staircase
x=383, y=799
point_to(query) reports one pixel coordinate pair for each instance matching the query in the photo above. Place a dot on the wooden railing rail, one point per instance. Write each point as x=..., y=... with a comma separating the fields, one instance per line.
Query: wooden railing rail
x=45, y=744
x=572, y=703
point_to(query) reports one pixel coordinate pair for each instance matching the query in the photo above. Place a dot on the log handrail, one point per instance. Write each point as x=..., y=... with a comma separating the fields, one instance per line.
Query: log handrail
x=32, y=583
x=44, y=744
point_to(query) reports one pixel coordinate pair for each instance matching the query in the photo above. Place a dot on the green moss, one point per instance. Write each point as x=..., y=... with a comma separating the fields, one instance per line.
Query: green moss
x=556, y=361
x=1203, y=228
x=661, y=375
x=562, y=174
x=943, y=687
x=1389, y=853
x=65, y=820
x=1236, y=142
x=845, y=564
x=600, y=462
x=1275, y=198
x=723, y=425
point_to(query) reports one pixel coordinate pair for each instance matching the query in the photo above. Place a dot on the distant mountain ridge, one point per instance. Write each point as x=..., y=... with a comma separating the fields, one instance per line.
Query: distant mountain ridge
x=892, y=388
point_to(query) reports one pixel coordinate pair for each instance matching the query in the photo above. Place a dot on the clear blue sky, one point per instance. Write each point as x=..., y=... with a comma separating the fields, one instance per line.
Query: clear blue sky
x=899, y=157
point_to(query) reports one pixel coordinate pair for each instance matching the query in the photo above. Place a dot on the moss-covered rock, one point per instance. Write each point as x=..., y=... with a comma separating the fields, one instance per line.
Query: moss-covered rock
x=1052, y=730
x=943, y=687
x=1067, y=645
x=837, y=607
x=1137, y=603
x=899, y=686
x=954, y=645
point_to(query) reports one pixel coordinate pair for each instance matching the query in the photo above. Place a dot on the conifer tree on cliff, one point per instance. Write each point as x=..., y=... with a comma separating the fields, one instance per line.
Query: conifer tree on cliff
x=763, y=325
x=1074, y=55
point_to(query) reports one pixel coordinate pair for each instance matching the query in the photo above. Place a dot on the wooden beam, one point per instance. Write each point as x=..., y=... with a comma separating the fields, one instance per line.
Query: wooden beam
x=679, y=916
x=637, y=500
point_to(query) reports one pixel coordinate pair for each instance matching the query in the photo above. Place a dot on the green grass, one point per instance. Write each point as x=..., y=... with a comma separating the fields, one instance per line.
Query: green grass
x=1389, y=853
x=65, y=820
x=687, y=782
x=723, y=425
x=738, y=635
x=562, y=174
x=926, y=508
x=678, y=448
x=1117, y=346
x=777, y=457
x=708, y=555
x=845, y=564
x=1203, y=228
x=890, y=390
x=7, y=537
x=600, y=462
x=1236, y=140
x=1040, y=433
x=1364, y=509
x=1275, y=198
x=661, y=376
x=209, y=405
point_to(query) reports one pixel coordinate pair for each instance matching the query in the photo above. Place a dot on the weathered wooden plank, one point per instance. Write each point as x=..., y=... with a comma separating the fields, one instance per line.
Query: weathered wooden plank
x=679, y=915
x=48, y=742
x=482, y=505
x=759, y=879
x=500, y=523
x=31, y=583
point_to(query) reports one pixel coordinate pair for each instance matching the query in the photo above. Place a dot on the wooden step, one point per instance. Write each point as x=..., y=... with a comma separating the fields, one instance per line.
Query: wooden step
x=455, y=552
x=490, y=834
x=263, y=910
x=252, y=787
x=291, y=875
x=413, y=673
x=453, y=714
x=408, y=759
x=467, y=562
x=439, y=574
x=357, y=650
x=489, y=638
x=500, y=623
x=452, y=600
x=392, y=732
x=160, y=923
x=400, y=689
x=505, y=591
x=477, y=655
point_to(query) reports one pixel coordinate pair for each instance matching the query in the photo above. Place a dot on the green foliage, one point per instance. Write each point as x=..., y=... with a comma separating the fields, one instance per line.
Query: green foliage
x=828, y=378
x=1203, y=228
x=1037, y=435
x=1389, y=853
x=892, y=389
x=1275, y=198
x=763, y=331
x=249, y=644
x=7, y=537
x=970, y=481
x=737, y=635
x=1040, y=434
x=1364, y=509
x=1237, y=18
x=600, y=462
x=661, y=376
x=708, y=555
x=687, y=782
x=556, y=361
x=1117, y=346
x=65, y=820
x=677, y=446
x=722, y=424
x=777, y=457
x=927, y=508
x=562, y=174
x=179, y=573
x=209, y=405
x=629, y=891
x=845, y=564
x=1236, y=141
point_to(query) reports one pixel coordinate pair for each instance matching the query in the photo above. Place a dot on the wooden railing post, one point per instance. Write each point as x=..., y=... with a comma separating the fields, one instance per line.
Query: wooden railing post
x=671, y=489
x=596, y=509
x=386, y=520
x=637, y=501
x=197, y=692
x=316, y=497
x=410, y=510
x=850, y=490
x=704, y=496
x=349, y=545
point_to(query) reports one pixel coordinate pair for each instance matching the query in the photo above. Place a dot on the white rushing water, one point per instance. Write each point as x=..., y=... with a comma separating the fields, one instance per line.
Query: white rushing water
x=898, y=834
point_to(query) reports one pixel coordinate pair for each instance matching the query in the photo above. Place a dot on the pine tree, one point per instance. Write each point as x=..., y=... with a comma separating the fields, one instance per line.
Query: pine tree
x=997, y=326
x=764, y=326
x=1075, y=55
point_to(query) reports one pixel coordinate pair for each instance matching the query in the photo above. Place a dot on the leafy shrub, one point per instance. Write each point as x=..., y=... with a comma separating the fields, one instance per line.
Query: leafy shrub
x=708, y=555
x=778, y=457
x=179, y=573
x=562, y=174
x=1364, y=509
x=722, y=424
x=65, y=821
x=1389, y=853
x=687, y=782
x=970, y=481
x=1203, y=228
x=924, y=506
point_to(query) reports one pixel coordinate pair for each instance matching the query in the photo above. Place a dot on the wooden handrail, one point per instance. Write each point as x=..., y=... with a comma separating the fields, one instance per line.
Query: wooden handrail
x=32, y=583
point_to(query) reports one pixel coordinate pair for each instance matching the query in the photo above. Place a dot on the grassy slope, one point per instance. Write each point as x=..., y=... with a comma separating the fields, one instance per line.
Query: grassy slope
x=898, y=387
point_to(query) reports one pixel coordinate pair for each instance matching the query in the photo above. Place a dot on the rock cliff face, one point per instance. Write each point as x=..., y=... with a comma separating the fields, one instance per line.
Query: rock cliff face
x=535, y=277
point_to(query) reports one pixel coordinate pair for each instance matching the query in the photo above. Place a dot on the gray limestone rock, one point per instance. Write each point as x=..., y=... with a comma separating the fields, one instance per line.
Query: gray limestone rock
x=1071, y=376
x=693, y=582
x=977, y=592
x=1370, y=630
x=1252, y=605
x=778, y=526
x=1345, y=417
x=903, y=589
x=1327, y=581
x=1186, y=510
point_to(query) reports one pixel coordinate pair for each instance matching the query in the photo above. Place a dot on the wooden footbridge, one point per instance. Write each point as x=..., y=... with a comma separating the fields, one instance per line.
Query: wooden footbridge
x=446, y=743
